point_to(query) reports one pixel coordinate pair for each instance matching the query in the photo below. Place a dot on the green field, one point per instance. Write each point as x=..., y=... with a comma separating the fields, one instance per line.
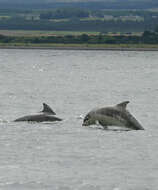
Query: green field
x=42, y=33
x=57, y=33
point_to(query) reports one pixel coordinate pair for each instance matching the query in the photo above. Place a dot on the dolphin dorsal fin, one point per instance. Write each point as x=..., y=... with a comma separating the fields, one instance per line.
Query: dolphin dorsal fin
x=122, y=105
x=47, y=109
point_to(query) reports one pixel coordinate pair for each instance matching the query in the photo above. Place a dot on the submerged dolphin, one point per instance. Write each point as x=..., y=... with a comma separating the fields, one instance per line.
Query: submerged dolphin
x=117, y=115
x=47, y=114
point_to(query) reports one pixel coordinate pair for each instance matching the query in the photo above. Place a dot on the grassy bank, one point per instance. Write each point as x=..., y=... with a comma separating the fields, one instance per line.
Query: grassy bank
x=81, y=46
x=43, y=33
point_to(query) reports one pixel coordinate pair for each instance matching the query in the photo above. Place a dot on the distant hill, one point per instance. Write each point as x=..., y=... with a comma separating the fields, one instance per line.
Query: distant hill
x=90, y=4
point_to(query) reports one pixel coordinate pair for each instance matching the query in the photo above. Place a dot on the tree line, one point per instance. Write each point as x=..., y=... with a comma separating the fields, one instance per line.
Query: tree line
x=147, y=37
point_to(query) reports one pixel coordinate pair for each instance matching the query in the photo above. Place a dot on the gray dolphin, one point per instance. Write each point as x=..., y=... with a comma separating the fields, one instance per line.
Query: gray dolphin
x=47, y=114
x=116, y=115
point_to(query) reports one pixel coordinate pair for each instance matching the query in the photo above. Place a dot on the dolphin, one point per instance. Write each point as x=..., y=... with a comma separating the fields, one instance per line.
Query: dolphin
x=47, y=114
x=116, y=115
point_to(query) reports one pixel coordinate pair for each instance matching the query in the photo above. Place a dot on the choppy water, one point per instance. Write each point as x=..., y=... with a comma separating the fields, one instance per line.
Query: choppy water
x=64, y=155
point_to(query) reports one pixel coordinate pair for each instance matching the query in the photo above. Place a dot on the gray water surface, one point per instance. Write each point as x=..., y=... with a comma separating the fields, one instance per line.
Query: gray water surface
x=64, y=155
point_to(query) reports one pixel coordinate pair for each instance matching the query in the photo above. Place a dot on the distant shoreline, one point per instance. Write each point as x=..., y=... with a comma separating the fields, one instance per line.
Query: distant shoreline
x=82, y=48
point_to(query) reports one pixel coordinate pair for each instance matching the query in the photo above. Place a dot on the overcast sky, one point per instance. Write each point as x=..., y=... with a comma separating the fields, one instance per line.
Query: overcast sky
x=51, y=1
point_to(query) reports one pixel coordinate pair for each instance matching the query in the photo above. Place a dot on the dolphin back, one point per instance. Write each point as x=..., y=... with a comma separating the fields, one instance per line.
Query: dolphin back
x=47, y=114
x=38, y=118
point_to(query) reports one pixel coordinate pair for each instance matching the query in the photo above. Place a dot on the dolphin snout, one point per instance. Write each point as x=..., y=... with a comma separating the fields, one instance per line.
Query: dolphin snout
x=84, y=124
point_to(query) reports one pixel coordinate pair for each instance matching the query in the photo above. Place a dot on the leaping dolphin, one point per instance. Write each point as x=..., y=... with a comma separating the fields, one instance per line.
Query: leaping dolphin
x=116, y=115
x=47, y=114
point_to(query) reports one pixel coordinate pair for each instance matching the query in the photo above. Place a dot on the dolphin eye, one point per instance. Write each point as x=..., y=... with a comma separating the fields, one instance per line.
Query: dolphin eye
x=86, y=118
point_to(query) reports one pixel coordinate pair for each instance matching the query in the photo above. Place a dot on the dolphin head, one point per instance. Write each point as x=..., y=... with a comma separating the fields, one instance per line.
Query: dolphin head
x=89, y=120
